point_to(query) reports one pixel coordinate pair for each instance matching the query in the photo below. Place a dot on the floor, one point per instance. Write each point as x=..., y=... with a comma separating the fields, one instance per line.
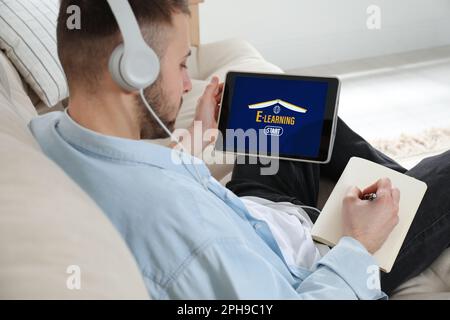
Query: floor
x=390, y=96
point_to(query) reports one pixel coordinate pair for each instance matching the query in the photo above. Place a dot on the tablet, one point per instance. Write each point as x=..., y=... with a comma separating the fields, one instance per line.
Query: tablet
x=279, y=116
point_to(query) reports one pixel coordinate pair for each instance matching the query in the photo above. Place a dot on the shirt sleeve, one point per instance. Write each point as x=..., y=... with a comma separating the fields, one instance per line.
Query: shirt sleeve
x=228, y=269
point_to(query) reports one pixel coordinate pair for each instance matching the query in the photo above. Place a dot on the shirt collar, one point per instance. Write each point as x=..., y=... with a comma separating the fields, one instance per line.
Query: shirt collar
x=128, y=150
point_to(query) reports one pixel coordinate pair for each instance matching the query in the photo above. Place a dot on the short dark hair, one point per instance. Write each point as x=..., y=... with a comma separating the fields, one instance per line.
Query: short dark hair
x=84, y=52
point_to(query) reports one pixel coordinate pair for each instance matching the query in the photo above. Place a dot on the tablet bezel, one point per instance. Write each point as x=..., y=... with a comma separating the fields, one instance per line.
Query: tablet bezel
x=329, y=124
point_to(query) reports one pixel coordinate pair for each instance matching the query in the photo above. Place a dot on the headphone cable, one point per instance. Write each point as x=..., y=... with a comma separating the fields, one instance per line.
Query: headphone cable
x=155, y=116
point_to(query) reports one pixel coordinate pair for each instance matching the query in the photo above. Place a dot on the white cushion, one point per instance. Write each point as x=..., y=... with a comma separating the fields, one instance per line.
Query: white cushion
x=47, y=223
x=28, y=36
x=231, y=55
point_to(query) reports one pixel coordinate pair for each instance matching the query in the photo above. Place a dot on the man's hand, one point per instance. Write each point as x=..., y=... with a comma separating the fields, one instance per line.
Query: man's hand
x=205, y=119
x=208, y=105
x=371, y=222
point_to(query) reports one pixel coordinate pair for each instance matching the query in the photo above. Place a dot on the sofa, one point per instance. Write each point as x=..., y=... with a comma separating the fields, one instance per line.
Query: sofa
x=48, y=226
x=55, y=242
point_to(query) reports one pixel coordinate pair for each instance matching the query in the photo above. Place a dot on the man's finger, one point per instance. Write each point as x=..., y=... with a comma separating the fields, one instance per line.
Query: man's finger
x=383, y=183
x=219, y=89
x=212, y=87
x=384, y=188
x=395, y=195
x=354, y=193
x=372, y=188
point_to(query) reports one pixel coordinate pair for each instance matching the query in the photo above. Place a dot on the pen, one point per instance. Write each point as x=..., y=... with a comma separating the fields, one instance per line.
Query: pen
x=369, y=196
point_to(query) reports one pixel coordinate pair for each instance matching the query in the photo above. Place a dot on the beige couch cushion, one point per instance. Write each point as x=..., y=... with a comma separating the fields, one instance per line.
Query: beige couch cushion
x=433, y=283
x=47, y=224
x=11, y=83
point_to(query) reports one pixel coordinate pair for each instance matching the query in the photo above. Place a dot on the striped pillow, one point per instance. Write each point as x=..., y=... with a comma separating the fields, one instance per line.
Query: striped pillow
x=28, y=37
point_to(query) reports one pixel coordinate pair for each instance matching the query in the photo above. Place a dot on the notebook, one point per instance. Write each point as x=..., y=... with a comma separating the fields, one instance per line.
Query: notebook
x=363, y=173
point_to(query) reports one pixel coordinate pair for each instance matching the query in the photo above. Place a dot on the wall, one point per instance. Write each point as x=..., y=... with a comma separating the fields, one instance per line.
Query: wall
x=299, y=33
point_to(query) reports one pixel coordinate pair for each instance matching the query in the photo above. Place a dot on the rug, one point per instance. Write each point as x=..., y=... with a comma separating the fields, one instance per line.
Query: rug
x=410, y=149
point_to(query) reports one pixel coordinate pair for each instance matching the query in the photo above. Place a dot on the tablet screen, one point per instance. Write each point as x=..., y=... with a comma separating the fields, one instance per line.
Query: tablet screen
x=279, y=115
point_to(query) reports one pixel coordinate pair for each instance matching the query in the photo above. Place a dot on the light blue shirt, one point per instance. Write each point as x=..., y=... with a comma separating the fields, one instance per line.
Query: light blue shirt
x=191, y=242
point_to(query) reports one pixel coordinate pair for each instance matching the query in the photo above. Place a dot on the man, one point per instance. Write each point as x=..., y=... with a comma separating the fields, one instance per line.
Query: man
x=196, y=239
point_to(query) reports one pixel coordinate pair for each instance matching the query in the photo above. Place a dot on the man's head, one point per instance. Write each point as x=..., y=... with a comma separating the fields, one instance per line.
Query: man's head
x=85, y=53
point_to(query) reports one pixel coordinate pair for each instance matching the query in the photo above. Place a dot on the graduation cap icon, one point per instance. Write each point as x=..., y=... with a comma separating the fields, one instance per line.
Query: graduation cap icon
x=276, y=104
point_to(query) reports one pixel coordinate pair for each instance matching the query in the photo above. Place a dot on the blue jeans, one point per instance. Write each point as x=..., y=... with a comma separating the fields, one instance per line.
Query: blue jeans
x=298, y=183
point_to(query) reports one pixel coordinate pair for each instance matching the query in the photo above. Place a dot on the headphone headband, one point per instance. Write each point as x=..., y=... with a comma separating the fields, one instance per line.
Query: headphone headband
x=126, y=21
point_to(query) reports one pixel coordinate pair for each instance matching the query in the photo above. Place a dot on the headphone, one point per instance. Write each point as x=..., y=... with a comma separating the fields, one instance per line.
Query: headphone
x=133, y=64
